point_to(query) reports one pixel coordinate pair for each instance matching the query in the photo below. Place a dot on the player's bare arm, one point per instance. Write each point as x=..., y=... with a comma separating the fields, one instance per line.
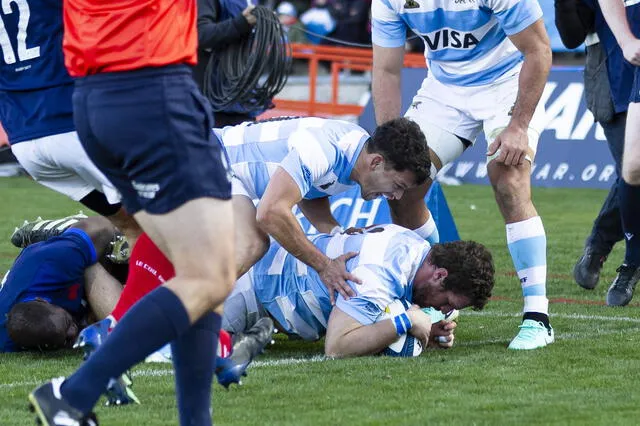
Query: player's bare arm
x=274, y=216
x=512, y=142
x=387, y=68
x=614, y=13
x=318, y=212
x=347, y=337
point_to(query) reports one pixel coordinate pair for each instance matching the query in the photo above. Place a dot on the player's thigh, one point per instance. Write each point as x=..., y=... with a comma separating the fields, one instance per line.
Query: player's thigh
x=443, y=122
x=197, y=237
x=251, y=242
x=631, y=156
x=67, y=151
x=496, y=108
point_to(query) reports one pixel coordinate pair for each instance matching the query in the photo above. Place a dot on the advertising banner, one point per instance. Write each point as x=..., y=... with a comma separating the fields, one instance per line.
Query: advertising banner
x=572, y=151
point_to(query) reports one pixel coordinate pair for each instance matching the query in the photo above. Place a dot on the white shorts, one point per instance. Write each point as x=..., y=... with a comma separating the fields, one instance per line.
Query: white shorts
x=59, y=162
x=465, y=112
x=241, y=308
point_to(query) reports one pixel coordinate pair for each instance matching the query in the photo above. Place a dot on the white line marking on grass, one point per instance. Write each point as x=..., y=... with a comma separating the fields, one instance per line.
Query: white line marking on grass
x=552, y=315
x=558, y=336
x=151, y=372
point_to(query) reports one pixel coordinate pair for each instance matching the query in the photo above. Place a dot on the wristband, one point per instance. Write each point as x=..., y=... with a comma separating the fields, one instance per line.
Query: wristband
x=402, y=323
x=336, y=230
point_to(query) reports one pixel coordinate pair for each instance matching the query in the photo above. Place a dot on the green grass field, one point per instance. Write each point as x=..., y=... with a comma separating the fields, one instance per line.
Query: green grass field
x=589, y=376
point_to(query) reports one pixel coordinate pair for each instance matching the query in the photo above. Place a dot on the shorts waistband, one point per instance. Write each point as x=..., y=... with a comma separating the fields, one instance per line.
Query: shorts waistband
x=137, y=74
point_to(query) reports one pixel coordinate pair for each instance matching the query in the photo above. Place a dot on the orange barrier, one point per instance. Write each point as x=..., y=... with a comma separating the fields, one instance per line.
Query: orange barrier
x=341, y=58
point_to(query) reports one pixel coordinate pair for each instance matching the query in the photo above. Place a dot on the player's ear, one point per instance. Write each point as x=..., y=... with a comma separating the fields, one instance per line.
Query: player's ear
x=440, y=274
x=376, y=160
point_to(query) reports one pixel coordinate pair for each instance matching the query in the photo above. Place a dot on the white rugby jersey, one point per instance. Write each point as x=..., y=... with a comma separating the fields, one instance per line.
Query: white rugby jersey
x=465, y=40
x=318, y=153
x=389, y=257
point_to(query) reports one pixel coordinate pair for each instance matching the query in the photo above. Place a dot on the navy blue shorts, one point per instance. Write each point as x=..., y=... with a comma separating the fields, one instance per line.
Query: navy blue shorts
x=149, y=132
x=635, y=89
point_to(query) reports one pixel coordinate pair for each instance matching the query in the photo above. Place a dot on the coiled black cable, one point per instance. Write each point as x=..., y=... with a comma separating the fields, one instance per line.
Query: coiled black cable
x=246, y=75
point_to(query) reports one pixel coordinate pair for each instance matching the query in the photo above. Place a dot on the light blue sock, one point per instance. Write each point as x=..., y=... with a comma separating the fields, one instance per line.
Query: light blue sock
x=528, y=247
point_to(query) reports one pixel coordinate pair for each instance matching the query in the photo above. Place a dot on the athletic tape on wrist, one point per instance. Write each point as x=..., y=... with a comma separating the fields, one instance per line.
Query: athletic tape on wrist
x=336, y=230
x=402, y=323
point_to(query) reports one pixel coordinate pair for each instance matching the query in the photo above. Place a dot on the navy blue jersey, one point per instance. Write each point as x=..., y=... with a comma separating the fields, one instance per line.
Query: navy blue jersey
x=52, y=270
x=36, y=88
x=620, y=71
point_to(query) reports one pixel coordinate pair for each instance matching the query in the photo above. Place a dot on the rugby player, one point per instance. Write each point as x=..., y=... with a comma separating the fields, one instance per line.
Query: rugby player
x=285, y=162
x=36, y=112
x=488, y=65
x=624, y=20
x=143, y=122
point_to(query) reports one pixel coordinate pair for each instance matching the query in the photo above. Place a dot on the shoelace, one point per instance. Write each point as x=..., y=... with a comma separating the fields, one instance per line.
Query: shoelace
x=529, y=331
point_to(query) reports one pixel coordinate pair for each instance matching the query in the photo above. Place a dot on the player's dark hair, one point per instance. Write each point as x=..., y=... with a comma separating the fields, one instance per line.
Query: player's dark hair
x=404, y=146
x=31, y=325
x=470, y=269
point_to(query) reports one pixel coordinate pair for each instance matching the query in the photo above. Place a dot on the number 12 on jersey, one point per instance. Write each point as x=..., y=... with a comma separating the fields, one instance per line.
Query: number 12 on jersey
x=24, y=53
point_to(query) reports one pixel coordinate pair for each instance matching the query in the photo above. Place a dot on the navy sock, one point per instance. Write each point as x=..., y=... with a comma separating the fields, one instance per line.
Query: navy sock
x=194, y=362
x=156, y=319
x=630, y=211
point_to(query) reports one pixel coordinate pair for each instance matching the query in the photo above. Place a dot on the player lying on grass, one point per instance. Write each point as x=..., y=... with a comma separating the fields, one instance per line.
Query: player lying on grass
x=53, y=270
x=394, y=263
x=55, y=285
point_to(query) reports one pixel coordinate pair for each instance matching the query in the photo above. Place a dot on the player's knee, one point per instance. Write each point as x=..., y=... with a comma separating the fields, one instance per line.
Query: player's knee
x=510, y=189
x=99, y=229
x=631, y=171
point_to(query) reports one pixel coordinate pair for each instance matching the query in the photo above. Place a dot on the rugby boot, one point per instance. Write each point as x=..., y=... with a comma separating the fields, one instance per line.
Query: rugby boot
x=119, y=390
x=247, y=346
x=621, y=291
x=42, y=229
x=52, y=410
x=119, y=250
x=586, y=272
x=532, y=335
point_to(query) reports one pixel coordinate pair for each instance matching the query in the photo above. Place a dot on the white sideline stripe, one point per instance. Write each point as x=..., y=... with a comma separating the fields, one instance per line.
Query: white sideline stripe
x=321, y=358
x=148, y=372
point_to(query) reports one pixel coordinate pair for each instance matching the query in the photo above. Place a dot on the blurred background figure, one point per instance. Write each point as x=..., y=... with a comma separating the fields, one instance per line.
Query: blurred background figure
x=318, y=20
x=607, y=82
x=352, y=22
x=288, y=16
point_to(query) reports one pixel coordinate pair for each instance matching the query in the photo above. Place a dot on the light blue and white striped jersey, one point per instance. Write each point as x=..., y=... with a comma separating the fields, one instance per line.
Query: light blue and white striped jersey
x=465, y=40
x=389, y=257
x=318, y=153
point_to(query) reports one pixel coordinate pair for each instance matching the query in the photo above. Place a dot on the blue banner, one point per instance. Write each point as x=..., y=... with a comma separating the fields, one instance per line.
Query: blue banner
x=572, y=151
x=352, y=211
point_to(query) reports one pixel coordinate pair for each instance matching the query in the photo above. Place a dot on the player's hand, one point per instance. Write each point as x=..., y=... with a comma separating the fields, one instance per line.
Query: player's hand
x=335, y=276
x=631, y=51
x=511, y=145
x=442, y=334
x=353, y=231
x=250, y=17
x=421, y=324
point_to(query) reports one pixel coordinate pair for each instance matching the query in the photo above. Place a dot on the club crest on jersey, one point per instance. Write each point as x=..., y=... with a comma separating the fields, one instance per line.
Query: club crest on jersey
x=411, y=4
x=445, y=38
